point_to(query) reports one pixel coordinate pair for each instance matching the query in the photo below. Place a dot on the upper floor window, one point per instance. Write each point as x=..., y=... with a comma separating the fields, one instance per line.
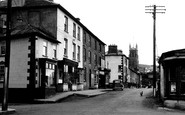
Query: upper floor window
x=89, y=55
x=65, y=47
x=74, y=51
x=79, y=33
x=74, y=30
x=95, y=43
x=45, y=48
x=54, y=51
x=84, y=54
x=84, y=37
x=95, y=59
x=65, y=24
x=78, y=54
x=99, y=61
x=100, y=47
x=89, y=40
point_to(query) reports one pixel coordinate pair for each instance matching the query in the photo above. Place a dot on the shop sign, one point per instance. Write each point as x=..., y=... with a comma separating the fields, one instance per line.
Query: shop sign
x=102, y=72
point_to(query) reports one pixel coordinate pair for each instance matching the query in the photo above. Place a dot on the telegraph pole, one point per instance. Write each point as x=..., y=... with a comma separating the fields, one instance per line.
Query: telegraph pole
x=7, y=58
x=153, y=9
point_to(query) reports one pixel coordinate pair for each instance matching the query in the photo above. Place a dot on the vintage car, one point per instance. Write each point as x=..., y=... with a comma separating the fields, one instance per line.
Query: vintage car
x=118, y=85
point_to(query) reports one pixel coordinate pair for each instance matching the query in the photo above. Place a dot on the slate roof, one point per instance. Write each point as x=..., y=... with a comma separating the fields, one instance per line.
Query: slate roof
x=28, y=30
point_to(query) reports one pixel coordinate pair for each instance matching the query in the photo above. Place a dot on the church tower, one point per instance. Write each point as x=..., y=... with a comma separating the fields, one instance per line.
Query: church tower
x=133, y=57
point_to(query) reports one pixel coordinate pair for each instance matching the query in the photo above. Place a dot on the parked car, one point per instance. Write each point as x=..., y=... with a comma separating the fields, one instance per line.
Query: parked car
x=118, y=85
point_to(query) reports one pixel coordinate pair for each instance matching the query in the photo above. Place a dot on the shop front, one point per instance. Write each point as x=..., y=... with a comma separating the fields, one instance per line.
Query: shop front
x=172, y=75
x=68, y=75
x=48, y=77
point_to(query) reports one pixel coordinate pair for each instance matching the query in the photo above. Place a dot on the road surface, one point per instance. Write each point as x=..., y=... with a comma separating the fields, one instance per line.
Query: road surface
x=127, y=102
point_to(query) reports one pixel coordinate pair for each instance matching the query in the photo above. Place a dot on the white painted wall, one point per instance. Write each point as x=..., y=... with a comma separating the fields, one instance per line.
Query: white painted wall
x=19, y=63
x=113, y=61
x=39, y=48
x=61, y=34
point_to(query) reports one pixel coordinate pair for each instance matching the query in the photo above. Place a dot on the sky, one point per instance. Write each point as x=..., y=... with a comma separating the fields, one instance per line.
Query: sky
x=124, y=22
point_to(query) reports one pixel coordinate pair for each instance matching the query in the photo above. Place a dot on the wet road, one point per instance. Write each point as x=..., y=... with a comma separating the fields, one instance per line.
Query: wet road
x=127, y=102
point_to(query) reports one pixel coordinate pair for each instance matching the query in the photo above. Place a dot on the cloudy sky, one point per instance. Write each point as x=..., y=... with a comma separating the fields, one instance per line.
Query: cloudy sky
x=124, y=22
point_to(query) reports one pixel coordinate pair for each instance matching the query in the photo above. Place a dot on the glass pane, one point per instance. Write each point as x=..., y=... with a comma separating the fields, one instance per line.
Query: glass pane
x=182, y=88
x=173, y=87
x=172, y=74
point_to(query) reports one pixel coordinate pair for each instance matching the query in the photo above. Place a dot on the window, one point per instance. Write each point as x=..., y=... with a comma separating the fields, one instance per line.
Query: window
x=95, y=59
x=78, y=54
x=65, y=24
x=95, y=43
x=85, y=74
x=50, y=74
x=45, y=49
x=120, y=68
x=74, y=51
x=54, y=51
x=79, y=33
x=3, y=48
x=3, y=20
x=65, y=47
x=84, y=37
x=2, y=72
x=74, y=30
x=100, y=61
x=100, y=46
x=89, y=40
x=84, y=54
x=89, y=55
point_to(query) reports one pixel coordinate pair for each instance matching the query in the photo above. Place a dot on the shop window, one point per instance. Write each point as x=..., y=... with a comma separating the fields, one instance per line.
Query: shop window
x=182, y=91
x=2, y=73
x=173, y=87
x=50, y=74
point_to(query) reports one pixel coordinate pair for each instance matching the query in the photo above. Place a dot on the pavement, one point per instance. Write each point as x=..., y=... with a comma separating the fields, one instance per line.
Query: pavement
x=174, y=104
x=63, y=95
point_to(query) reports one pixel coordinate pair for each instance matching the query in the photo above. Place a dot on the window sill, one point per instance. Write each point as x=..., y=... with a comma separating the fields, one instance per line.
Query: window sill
x=65, y=56
x=44, y=56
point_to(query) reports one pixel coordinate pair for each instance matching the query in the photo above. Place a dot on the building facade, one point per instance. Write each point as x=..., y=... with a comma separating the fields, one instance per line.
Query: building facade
x=94, y=59
x=53, y=60
x=118, y=63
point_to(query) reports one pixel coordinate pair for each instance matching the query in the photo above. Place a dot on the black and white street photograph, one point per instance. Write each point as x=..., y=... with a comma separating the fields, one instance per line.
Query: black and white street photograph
x=92, y=57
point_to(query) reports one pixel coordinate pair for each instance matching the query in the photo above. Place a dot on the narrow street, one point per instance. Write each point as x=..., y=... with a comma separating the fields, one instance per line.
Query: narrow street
x=127, y=102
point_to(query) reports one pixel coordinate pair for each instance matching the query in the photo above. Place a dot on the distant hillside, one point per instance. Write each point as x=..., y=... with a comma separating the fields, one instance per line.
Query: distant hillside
x=145, y=68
